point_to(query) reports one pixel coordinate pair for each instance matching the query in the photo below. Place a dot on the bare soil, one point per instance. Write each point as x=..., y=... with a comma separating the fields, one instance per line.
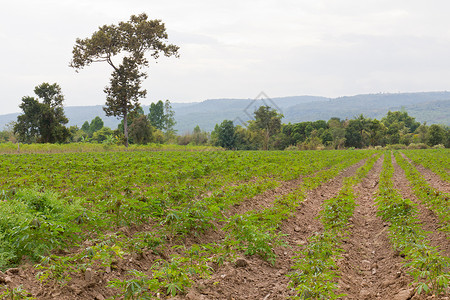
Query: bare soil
x=370, y=268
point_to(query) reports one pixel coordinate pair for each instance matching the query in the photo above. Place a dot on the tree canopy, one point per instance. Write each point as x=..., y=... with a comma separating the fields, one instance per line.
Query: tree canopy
x=129, y=40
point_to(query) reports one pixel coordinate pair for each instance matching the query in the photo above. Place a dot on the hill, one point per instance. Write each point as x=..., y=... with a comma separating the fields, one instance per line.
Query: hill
x=430, y=107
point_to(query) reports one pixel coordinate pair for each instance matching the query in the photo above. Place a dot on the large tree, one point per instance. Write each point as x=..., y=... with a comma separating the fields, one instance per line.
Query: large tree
x=130, y=41
x=43, y=121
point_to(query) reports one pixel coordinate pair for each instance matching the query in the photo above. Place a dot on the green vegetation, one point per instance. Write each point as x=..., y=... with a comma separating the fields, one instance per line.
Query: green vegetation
x=397, y=130
x=437, y=201
x=426, y=265
x=254, y=233
x=88, y=201
x=185, y=192
x=125, y=188
x=33, y=222
x=436, y=160
x=10, y=148
x=18, y=293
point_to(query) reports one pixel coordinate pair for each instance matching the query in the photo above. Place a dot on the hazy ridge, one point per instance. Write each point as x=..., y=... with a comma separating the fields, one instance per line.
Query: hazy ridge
x=430, y=107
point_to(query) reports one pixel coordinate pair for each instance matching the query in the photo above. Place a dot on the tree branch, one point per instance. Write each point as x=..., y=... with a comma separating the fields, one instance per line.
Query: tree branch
x=110, y=62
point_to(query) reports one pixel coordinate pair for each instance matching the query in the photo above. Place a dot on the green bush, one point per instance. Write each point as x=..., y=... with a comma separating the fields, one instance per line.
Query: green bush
x=418, y=146
x=32, y=223
x=395, y=147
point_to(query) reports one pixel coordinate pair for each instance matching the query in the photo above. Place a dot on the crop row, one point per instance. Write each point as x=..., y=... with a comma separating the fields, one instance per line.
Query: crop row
x=314, y=275
x=436, y=200
x=56, y=201
x=436, y=160
x=265, y=223
x=428, y=267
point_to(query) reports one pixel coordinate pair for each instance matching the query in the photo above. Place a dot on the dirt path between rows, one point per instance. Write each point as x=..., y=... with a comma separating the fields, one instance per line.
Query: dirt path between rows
x=434, y=180
x=370, y=268
x=254, y=278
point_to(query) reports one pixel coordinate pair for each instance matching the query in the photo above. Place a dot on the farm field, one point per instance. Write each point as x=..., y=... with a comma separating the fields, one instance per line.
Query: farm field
x=353, y=224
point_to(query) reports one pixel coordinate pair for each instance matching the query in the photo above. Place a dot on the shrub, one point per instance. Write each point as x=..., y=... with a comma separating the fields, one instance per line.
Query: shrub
x=418, y=146
x=32, y=223
x=395, y=147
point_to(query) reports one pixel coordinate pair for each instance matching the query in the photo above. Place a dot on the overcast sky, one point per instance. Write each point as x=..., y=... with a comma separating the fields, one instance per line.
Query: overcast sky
x=235, y=49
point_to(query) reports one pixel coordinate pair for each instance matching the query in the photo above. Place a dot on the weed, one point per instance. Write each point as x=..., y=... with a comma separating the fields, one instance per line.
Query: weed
x=254, y=238
x=17, y=293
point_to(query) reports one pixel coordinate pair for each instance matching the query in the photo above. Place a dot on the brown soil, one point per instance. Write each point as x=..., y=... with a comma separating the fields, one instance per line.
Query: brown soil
x=428, y=219
x=370, y=268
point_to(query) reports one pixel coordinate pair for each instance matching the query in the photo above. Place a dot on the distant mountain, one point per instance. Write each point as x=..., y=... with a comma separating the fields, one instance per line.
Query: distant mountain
x=430, y=107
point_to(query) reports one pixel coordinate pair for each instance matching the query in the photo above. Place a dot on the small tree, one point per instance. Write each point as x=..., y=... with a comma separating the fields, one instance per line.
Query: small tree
x=7, y=135
x=421, y=133
x=436, y=135
x=131, y=40
x=85, y=127
x=96, y=124
x=156, y=115
x=225, y=135
x=199, y=137
x=400, y=117
x=356, y=132
x=141, y=130
x=90, y=128
x=169, y=120
x=44, y=121
x=102, y=134
x=269, y=121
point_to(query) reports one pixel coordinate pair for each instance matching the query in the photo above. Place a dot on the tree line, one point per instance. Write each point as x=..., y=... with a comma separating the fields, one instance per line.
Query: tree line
x=266, y=132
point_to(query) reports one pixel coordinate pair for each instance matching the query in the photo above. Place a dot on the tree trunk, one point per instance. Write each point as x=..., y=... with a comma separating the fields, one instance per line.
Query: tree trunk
x=266, y=140
x=125, y=128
